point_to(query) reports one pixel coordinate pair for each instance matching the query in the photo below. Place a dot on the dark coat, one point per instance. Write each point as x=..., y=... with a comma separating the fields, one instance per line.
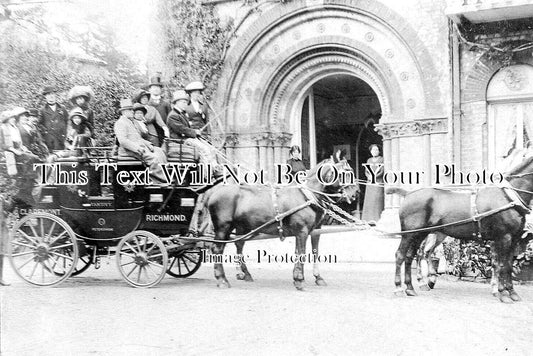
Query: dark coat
x=179, y=126
x=198, y=119
x=89, y=113
x=297, y=165
x=31, y=139
x=163, y=108
x=54, y=126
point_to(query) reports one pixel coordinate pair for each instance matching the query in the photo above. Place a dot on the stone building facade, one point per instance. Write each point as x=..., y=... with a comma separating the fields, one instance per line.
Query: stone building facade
x=403, y=69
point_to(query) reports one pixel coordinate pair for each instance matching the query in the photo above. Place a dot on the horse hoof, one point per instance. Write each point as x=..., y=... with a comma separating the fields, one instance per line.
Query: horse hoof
x=410, y=293
x=299, y=285
x=248, y=278
x=425, y=288
x=496, y=294
x=399, y=292
x=505, y=299
x=240, y=276
x=431, y=285
x=223, y=285
x=320, y=282
x=515, y=297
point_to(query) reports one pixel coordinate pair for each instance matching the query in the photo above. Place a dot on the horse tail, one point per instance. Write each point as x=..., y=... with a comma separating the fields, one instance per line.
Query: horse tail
x=397, y=190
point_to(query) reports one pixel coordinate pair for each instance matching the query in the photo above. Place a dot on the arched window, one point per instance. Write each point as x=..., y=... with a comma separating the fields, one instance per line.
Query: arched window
x=510, y=110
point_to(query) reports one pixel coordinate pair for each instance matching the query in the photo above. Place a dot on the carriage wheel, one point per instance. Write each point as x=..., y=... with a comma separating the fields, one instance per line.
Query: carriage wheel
x=43, y=249
x=142, y=259
x=84, y=262
x=184, y=263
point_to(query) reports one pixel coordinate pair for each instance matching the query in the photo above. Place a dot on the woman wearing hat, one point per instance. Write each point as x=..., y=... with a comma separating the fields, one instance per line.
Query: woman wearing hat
x=157, y=129
x=79, y=134
x=80, y=96
x=54, y=121
x=11, y=144
x=130, y=131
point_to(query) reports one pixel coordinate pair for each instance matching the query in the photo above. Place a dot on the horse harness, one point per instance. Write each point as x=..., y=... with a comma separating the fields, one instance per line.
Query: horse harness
x=515, y=202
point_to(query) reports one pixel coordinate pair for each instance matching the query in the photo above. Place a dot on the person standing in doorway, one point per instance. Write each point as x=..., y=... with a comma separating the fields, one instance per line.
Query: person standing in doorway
x=374, y=194
x=295, y=160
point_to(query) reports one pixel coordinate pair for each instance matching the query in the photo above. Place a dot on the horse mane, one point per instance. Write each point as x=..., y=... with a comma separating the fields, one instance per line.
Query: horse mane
x=520, y=167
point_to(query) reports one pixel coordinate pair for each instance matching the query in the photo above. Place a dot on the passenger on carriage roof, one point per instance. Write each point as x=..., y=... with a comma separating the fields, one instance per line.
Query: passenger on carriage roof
x=53, y=120
x=80, y=96
x=180, y=128
x=79, y=134
x=157, y=128
x=155, y=87
x=198, y=109
x=131, y=133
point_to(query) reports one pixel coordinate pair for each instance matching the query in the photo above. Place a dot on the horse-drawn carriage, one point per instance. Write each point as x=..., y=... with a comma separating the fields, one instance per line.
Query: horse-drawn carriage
x=98, y=205
x=85, y=213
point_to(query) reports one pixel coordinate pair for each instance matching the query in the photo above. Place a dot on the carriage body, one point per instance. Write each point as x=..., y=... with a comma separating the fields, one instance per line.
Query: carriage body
x=88, y=202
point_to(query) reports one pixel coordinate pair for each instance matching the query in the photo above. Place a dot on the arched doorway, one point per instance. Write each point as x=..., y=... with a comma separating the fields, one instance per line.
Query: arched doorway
x=339, y=112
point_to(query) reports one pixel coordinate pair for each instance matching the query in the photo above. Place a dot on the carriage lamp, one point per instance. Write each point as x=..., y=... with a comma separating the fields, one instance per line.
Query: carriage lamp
x=156, y=198
x=47, y=199
x=187, y=202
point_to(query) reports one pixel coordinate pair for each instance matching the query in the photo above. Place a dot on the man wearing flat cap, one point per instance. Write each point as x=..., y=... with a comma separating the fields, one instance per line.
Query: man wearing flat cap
x=54, y=120
x=131, y=133
x=198, y=110
x=155, y=88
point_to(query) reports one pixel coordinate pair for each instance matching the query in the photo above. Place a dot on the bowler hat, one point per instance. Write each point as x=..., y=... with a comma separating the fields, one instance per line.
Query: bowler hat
x=77, y=112
x=49, y=89
x=139, y=106
x=33, y=112
x=139, y=94
x=180, y=95
x=192, y=86
x=125, y=104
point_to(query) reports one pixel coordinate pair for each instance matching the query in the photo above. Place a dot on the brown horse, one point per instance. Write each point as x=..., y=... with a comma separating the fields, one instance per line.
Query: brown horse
x=246, y=207
x=432, y=207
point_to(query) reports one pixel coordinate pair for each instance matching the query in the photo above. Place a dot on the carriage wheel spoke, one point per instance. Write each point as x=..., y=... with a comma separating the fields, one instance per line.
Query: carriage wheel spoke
x=21, y=244
x=42, y=272
x=126, y=264
x=27, y=237
x=133, y=269
x=25, y=263
x=34, y=232
x=155, y=264
x=151, y=248
x=33, y=271
x=62, y=246
x=41, y=224
x=139, y=275
x=61, y=255
x=179, y=265
x=190, y=259
x=58, y=237
x=52, y=229
x=138, y=243
x=152, y=270
x=131, y=248
x=187, y=267
x=22, y=253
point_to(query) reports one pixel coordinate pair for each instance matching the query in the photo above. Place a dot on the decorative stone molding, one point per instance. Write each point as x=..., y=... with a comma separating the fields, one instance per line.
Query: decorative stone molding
x=412, y=128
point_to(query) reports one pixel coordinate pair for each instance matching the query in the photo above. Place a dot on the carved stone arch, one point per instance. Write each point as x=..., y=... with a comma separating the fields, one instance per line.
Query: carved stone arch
x=370, y=11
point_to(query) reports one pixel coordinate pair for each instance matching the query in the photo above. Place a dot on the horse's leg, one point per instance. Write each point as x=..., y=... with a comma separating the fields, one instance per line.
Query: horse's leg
x=242, y=270
x=298, y=272
x=502, y=251
x=400, y=258
x=315, y=238
x=508, y=271
x=495, y=271
x=222, y=233
x=416, y=240
x=432, y=269
x=422, y=259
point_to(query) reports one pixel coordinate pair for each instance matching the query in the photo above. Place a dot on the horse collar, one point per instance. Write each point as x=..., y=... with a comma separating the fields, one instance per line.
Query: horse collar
x=513, y=196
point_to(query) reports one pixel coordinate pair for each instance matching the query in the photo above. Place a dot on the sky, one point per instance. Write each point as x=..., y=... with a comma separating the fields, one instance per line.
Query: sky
x=129, y=18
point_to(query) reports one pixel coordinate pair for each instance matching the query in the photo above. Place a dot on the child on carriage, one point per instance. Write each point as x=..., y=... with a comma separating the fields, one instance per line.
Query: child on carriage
x=79, y=133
